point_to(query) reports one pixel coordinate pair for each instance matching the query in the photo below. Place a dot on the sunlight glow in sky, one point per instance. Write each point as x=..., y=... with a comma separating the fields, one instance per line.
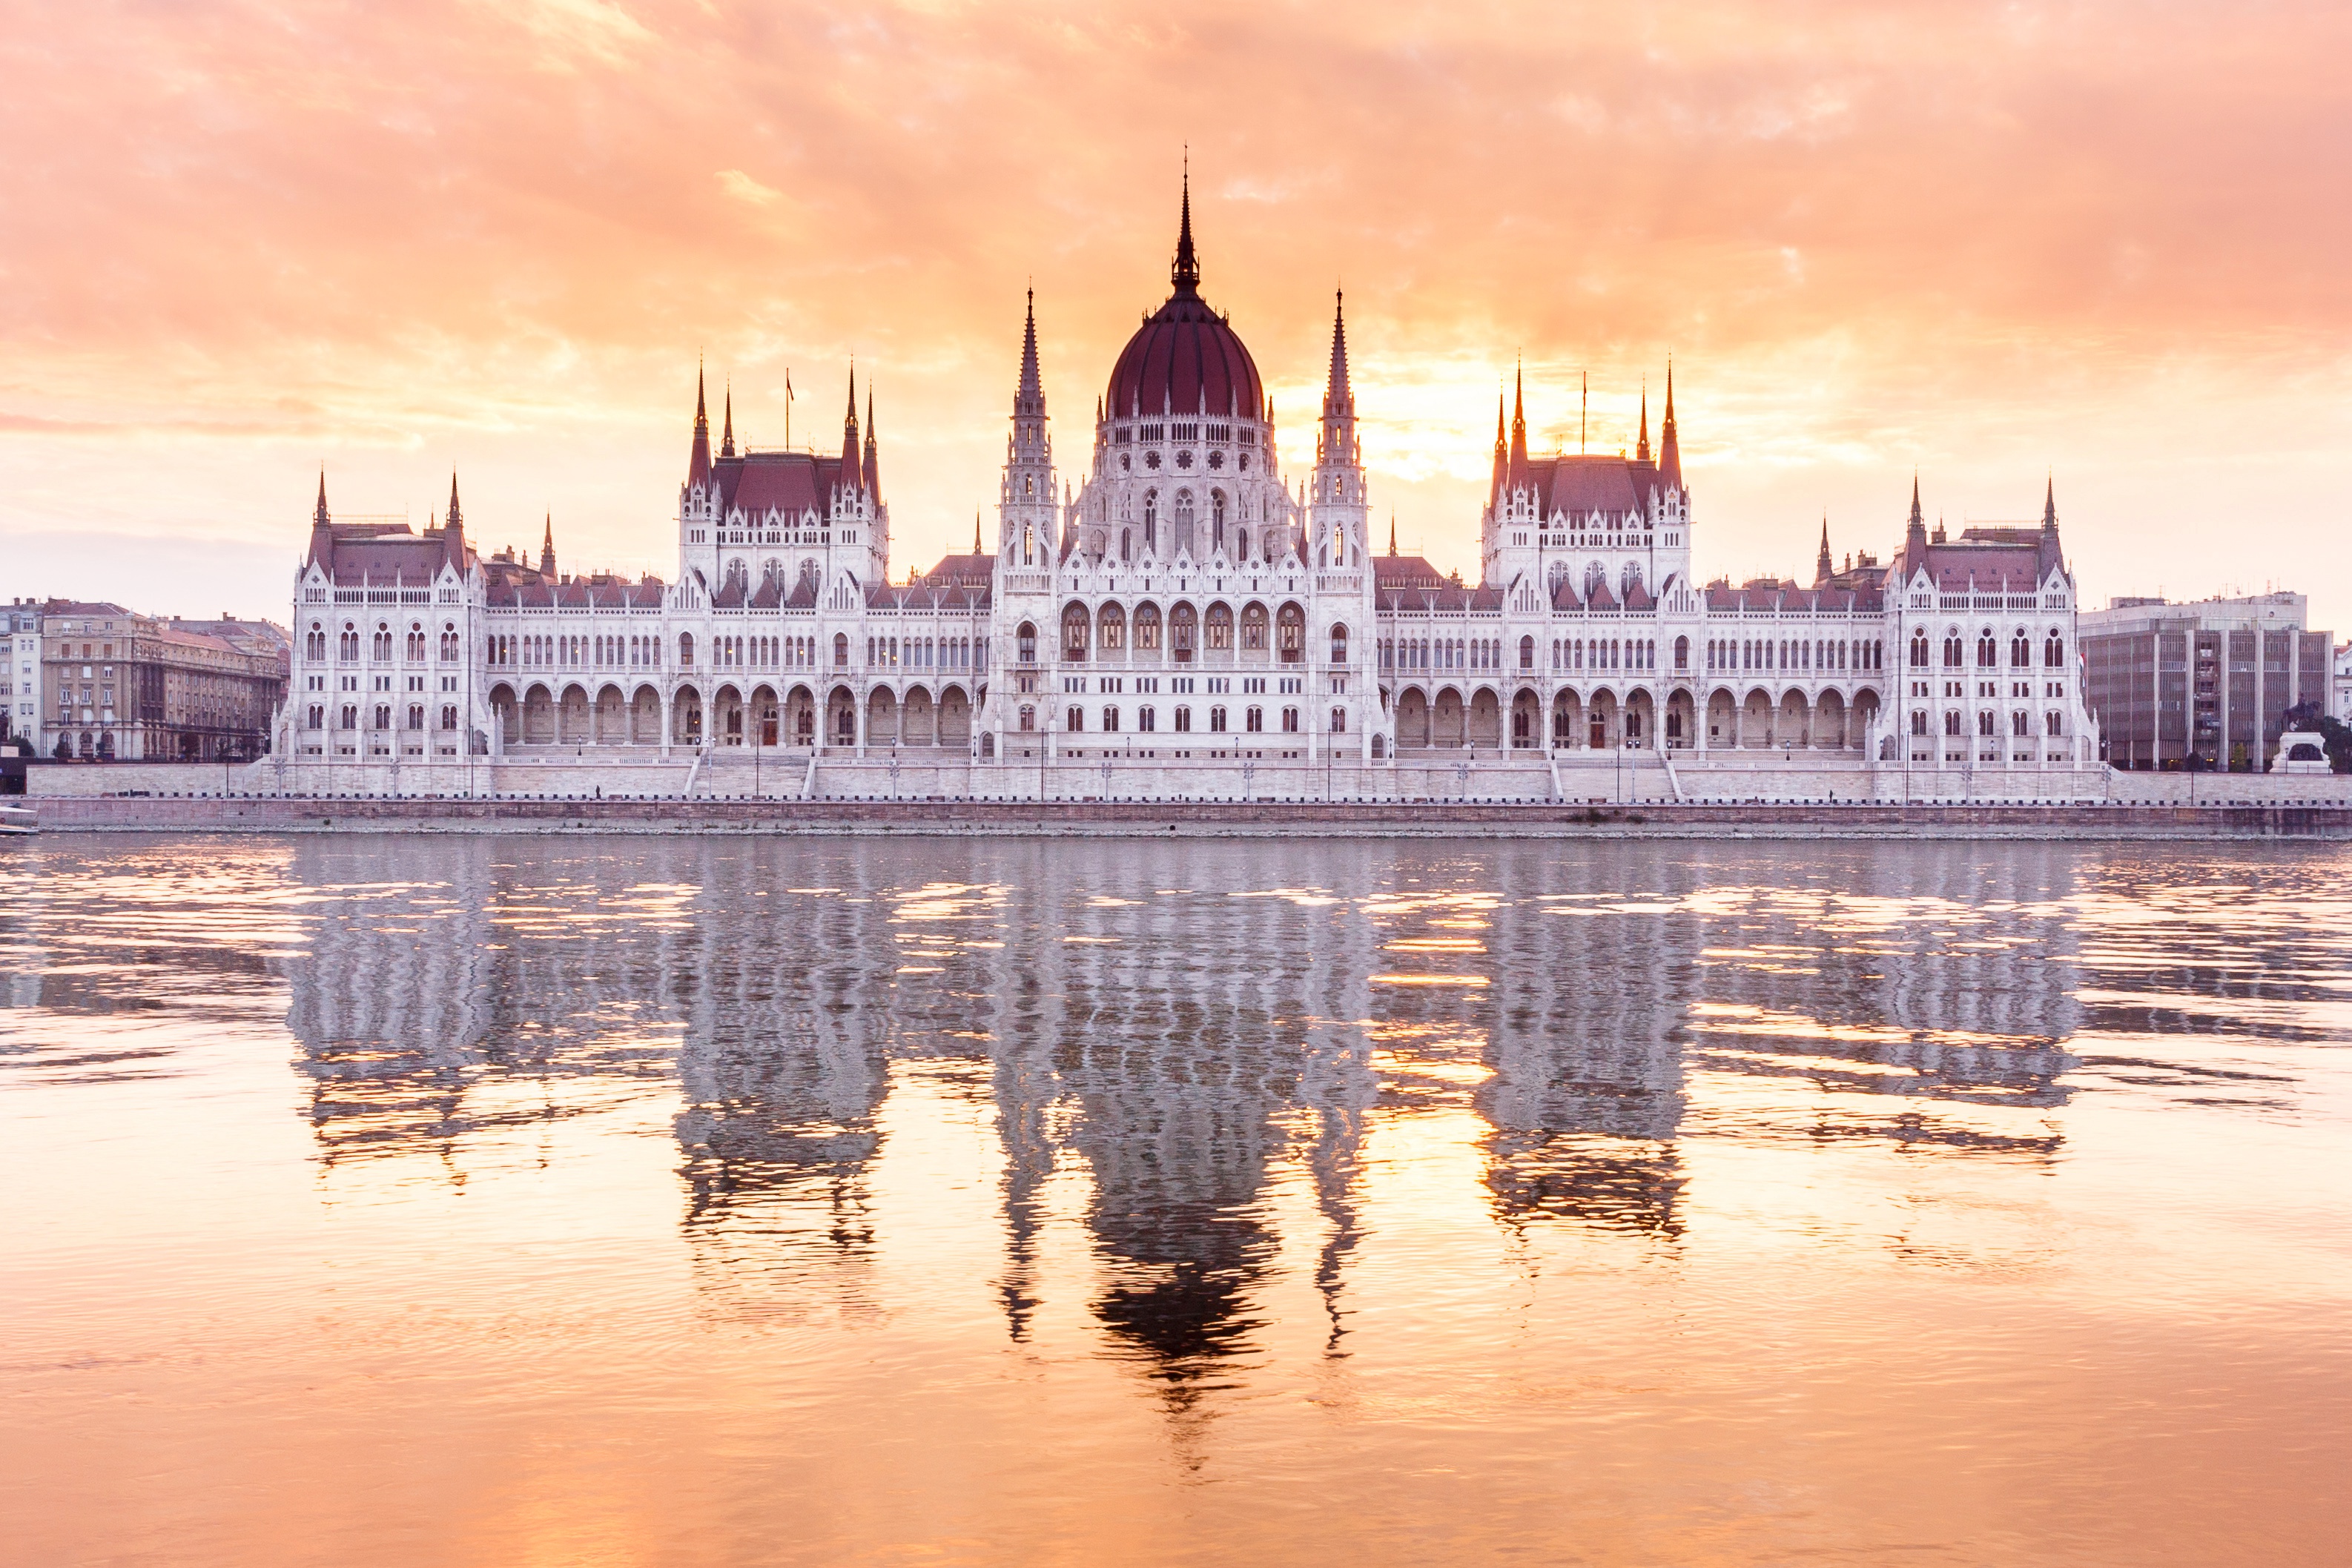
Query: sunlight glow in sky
x=1990, y=243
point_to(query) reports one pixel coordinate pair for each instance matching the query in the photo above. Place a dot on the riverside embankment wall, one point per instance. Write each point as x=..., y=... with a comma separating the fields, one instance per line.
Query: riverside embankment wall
x=1201, y=818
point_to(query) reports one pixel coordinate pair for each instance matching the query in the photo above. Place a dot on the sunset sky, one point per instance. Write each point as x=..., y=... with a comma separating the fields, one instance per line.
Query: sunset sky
x=1990, y=243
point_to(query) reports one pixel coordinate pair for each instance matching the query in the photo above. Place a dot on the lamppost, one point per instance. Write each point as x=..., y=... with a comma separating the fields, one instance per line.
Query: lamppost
x=894, y=771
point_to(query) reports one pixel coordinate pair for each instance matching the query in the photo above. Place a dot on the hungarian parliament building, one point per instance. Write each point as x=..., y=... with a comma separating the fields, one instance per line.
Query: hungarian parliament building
x=1189, y=619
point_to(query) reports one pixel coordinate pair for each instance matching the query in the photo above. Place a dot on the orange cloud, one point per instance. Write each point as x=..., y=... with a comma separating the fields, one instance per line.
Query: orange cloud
x=1987, y=241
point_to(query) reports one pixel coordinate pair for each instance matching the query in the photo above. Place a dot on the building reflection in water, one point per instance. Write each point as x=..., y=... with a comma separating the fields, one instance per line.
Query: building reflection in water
x=1181, y=1028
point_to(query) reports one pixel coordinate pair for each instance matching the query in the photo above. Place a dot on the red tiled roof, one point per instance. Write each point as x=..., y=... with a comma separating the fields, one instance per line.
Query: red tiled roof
x=1186, y=357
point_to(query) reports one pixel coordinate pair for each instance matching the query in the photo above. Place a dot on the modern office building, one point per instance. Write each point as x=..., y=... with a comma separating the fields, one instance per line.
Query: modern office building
x=2210, y=679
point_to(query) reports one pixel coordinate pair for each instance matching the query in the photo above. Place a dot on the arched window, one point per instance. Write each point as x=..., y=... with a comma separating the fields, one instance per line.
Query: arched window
x=1241, y=546
x=1338, y=644
x=314, y=646
x=1151, y=522
x=1919, y=649
x=1217, y=518
x=1290, y=634
x=1955, y=650
x=1527, y=653
x=1988, y=650
x=1110, y=629
x=1220, y=629
x=1183, y=626
x=380, y=645
x=841, y=650
x=686, y=650
x=417, y=642
x=349, y=649
x=1147, y=628
x=1339, y=721
x=1183, y=520
x=1075, y=627
x=1026, y=642
x=2020, y=649
x=1126, y=544
x=1682, y=653
x=2053, y=652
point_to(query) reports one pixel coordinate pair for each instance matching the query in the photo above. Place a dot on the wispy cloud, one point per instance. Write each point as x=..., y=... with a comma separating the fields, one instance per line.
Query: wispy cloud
x=245, y=238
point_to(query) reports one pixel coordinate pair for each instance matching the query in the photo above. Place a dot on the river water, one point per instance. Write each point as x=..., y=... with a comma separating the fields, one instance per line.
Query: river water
x=477, y=1200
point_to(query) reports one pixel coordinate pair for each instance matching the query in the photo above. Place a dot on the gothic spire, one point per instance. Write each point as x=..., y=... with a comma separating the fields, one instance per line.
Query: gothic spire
x=1029, y=398
x=318, y=517
x=1823, y=567
x=1392, y=533
x=1502, y=453
x=849, y=454
x=698, y=466
x=873, y=451
x=1670, y=448
x=1914, y=530
x=1518, y=426
x=1186, y=274
x=2049, y=503
x=1337, y=395
x=1641, y=447
x=1336, y=440
x=547, y=548
x=726, y=442
x=455, y=517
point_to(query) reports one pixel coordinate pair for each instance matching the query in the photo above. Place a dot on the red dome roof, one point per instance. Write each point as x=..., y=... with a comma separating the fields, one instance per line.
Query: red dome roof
x=1185, y=352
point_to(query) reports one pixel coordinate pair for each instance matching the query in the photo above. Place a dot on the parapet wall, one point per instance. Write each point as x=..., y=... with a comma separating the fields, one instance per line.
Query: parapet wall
x=1620, y=780
x=1200, y=819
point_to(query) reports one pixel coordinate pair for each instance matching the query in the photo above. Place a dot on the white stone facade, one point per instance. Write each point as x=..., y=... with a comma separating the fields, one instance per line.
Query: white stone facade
x=1187, y=619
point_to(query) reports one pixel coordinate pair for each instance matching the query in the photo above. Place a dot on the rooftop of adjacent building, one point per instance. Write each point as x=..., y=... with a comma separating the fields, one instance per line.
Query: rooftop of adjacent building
x=2279, y=609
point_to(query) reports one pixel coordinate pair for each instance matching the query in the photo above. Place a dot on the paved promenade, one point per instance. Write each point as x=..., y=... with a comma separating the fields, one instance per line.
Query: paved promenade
x=1706, y=819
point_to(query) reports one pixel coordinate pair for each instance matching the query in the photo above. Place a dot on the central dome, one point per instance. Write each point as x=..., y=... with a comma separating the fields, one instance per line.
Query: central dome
x=1185, y=358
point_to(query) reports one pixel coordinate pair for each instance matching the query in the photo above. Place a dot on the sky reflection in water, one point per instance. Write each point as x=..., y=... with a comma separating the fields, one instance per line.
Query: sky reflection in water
x=465, y=1200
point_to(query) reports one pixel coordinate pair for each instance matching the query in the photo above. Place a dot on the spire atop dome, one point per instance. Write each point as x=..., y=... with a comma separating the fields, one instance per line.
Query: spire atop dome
x=1186, y=274
x=726, y=442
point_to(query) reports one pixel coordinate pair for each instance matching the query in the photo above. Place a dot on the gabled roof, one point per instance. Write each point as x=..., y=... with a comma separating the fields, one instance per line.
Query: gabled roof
x=1393, y=571
x=790, y=482
x=1581, y=484
x=964, y=571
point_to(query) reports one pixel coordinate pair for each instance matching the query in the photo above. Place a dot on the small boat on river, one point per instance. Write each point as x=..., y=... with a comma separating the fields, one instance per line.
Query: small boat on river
x=16, y=820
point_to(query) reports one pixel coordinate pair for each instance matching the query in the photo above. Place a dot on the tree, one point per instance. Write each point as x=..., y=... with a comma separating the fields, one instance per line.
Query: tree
x=2334, y=734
